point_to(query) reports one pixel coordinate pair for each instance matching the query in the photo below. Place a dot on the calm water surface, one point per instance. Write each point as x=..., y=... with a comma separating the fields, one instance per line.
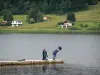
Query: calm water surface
x=81, y=53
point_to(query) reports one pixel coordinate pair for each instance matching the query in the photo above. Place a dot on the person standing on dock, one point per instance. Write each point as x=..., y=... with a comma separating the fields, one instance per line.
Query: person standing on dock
x=45, y=55
x=56, y=51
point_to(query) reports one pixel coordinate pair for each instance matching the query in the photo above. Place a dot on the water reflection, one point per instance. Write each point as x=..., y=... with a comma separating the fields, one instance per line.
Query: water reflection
x=44, y=68
x=53, y=67
x=64, y=69
x=29, y=70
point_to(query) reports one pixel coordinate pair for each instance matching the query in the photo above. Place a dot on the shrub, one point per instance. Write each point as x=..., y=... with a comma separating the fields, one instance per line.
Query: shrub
x=60, y=23
x=7, y=24
x=93, y=28
x=83, y=25
x=98, y=24
x=74, y=28
x=31, y=20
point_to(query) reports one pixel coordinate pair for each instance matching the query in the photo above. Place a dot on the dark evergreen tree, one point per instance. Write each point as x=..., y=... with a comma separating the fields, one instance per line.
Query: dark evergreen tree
x=71, y=17
x=92, y=2
x=1, y=4
x=7, y=15
x=35, y=14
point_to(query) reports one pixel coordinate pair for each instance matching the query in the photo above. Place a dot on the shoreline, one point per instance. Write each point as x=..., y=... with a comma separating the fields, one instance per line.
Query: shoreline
x=48, y=31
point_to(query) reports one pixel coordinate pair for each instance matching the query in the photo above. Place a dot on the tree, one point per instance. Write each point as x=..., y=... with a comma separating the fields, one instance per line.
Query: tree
x=78, y=3
x=92, y=2
x=46, y=6
x=7, y=15
x=71, y=17
x=35, y=14
x=65, y=5
x=1, y=4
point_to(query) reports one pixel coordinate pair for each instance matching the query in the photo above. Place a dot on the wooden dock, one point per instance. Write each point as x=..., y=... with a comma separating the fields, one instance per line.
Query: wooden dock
x=30, y=62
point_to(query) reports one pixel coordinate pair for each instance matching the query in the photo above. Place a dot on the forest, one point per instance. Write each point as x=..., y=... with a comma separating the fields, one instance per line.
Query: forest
x=45, y=6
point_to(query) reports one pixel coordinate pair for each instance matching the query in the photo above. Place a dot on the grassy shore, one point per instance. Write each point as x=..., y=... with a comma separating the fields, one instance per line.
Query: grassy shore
x=48, y=31
x=90, y=17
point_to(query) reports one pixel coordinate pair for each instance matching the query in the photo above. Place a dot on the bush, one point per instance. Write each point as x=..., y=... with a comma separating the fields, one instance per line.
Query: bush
x=83, y=25
x=93, y=28
x=7, y=24
x=60, y=23
x=74, y=28
x=71, y=17
x=98, y=24
x=31, y=20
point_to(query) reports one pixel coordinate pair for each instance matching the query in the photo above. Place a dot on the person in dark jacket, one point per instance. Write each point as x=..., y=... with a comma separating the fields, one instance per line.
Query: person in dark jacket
x=56, y=51
x=45, y=55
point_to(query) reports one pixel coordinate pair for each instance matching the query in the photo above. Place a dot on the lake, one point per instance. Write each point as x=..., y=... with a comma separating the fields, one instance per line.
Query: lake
x=81, y=53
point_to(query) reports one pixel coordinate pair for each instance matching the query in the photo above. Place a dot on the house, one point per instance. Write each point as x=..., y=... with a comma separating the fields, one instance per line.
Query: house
x=66, y=24
x=16, y=23
x=4, y=22
x=45, y=18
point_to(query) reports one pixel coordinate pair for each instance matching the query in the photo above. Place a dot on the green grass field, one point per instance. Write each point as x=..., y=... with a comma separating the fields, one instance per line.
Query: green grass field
x=90, y=17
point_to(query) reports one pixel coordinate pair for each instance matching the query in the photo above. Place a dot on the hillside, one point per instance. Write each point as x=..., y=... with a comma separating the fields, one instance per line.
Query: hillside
x=90, y=15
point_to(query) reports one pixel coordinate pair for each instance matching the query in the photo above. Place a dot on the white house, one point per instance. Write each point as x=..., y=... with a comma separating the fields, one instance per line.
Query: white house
x=16, y=23
x=66, y=24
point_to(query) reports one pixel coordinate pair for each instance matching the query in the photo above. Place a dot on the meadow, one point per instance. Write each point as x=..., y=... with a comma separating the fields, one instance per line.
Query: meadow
x=88, y=21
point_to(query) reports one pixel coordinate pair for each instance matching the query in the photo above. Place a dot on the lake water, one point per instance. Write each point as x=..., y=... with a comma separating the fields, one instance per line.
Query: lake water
x=81, y=53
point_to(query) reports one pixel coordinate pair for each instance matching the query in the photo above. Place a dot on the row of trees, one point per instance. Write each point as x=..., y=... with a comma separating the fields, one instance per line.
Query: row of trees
x=35, y=8
x=46, y=6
